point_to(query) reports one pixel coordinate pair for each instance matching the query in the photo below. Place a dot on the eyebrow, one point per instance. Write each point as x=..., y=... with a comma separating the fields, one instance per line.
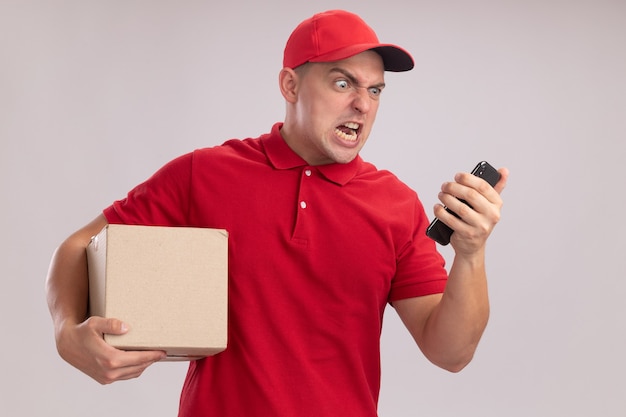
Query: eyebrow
x=353, y=79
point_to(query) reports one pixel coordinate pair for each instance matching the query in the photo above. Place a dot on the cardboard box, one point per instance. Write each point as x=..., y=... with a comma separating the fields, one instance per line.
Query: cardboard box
x=169, y=284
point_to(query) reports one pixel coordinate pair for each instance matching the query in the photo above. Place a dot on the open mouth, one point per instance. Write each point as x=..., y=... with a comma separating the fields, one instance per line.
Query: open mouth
x=348, y=131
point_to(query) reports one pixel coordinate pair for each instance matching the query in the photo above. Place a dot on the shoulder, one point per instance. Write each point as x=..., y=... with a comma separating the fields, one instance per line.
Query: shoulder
x=231, y=147
x=231, y=150
x=383, y=181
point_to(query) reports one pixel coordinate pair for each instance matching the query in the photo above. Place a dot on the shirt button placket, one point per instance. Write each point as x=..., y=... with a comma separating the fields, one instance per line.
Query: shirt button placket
x=301, y=230
x=307, y=173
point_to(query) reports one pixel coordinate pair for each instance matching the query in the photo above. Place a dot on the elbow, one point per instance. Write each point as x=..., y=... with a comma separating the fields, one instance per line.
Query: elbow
x=457, y=366
x=454, y=363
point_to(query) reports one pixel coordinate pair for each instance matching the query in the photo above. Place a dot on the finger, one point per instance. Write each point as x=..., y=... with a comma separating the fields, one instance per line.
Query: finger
x=127, y=365
x=474, y=190
x=504, y=176
x=480, y=184
x=114, y=326
x=455, y=195
x=458, y=214
x=112, y=357
x=139, y=357
x=107, y=325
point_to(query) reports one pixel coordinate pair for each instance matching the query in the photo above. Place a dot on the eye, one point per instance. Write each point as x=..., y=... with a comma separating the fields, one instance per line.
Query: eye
x=342, y=84
x=375, y=91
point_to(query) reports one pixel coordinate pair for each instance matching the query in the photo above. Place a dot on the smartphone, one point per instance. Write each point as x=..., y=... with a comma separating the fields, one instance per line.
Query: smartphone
x=441, y=232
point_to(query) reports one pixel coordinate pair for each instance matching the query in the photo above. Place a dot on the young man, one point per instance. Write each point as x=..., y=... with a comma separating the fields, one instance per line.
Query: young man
x=319, y=243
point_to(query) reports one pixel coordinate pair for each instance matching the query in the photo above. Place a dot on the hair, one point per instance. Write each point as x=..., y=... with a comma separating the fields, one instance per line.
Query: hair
x=301, y=70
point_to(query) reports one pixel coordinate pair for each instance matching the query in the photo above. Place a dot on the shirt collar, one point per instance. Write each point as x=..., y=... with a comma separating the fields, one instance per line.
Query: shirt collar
x=281, y=156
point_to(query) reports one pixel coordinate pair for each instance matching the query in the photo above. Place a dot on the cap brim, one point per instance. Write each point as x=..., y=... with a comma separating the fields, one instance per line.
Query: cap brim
x=395, y=59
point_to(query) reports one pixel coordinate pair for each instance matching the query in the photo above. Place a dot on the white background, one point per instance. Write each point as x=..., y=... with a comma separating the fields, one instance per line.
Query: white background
x=97, y=95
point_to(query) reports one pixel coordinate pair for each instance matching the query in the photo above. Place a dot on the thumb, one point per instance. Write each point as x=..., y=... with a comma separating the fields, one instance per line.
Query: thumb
x=504, y=176
x=112, y=326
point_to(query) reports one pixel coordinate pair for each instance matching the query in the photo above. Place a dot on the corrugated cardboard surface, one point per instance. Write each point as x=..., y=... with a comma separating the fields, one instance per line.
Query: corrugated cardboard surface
x=169, y=284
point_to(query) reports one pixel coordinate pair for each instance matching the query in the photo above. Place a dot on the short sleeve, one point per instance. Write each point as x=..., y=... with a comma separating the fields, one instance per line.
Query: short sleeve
x=420, y=267
x=162, y=200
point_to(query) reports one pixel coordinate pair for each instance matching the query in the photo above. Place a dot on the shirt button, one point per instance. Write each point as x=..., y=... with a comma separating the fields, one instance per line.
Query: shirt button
x=307, y=172
x=303, y=204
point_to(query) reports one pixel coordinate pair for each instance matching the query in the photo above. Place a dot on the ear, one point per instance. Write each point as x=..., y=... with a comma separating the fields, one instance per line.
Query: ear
x=288, y=83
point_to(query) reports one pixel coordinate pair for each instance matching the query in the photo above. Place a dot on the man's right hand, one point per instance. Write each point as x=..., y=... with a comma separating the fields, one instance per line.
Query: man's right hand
x=83, y=347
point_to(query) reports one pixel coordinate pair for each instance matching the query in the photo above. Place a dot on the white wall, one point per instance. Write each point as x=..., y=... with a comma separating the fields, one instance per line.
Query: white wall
x=96, y=95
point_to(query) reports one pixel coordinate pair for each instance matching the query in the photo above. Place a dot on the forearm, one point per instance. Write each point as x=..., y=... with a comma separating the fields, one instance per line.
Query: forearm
x=447, y=327
x=456, y=324
x=79, y=338
x=67, y=283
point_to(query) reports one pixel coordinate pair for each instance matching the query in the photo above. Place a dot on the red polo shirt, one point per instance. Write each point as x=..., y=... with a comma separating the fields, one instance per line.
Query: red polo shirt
x=315, y=253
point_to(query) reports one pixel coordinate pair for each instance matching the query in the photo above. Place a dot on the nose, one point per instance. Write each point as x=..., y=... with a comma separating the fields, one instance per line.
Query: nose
x=361, y=100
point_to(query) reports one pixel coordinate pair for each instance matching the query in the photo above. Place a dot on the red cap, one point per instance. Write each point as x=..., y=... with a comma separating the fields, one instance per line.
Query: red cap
x=335, y=35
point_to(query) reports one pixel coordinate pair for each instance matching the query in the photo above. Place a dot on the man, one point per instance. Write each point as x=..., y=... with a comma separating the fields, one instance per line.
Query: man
x=319, y=243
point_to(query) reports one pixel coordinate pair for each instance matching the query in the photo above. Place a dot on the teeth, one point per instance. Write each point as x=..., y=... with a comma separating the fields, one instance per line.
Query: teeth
x=351, y=136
